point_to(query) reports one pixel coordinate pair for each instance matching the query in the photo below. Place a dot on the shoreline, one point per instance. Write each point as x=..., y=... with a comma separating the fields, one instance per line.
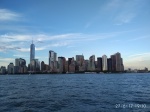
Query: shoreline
x=72, y=73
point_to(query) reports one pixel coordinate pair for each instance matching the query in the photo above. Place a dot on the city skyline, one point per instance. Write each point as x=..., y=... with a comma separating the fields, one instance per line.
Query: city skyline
x=74, y=28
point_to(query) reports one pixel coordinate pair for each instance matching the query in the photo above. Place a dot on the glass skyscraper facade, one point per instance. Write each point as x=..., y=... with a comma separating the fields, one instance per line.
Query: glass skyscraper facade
x=32, y=52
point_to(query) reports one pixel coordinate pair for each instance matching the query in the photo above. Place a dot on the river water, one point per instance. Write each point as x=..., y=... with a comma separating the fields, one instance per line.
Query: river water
x=75, y=93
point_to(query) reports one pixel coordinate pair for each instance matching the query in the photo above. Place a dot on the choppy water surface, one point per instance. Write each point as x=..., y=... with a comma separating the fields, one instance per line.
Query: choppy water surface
x=75, y=93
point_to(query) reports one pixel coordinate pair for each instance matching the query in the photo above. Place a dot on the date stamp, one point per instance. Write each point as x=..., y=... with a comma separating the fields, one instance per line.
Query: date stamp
x=130, y=106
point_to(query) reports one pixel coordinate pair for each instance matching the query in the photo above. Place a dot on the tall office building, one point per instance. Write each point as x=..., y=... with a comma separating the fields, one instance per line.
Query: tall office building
x=20, y=65
x=109, y=64
x=104, y=62
x=113, y=62
x=122, y=66
x=20, y=62
x=32, y=51
x=71, y=65
x=35, y=65
x=118, y=62
x=79, y=60
x=79, y=63
x=99, y=64
x=43, y=68
x=61, y=64
x=52, y=61
x=92, y=63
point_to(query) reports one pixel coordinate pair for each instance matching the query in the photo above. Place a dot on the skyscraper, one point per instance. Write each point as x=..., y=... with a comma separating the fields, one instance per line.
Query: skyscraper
x=92, y=62
x=122, y=66
x=52, y=60
x=113, y=59
x=61, y=64
x=109, y=64
x=118, y=62
x=104, y=62
x=43, y=68
x=71, y=65
x=20, y=65
x=32, y=51
x=35, y=65
x=99, y=64
x=79, y=62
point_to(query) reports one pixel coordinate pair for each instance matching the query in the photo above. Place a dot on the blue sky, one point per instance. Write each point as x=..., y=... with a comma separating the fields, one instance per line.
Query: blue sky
x=73, y=27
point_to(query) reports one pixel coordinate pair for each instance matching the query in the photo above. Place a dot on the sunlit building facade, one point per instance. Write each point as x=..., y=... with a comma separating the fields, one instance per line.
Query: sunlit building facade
x=104, y=62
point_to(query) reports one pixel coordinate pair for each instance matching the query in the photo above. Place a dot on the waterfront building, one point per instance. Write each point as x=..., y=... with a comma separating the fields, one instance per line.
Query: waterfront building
x=20, y=65
x=118, y=62
x=52, y=61
x=47, y=67
x=43, y=67
x=3, y=70
x=32, y=51
x=17, y=69
x=109, y=64
x=35, y=65
x=10, y=68
x=92, y=63
x=85, y=65
x=79, y=63
x=66, y=66
x=104, y=63
x=122, y=66
x=71, y=68
x=71, y=65
x=20, y=62
x=61, y=64
x=113, y=59
x=79, y=59
x=99, y=64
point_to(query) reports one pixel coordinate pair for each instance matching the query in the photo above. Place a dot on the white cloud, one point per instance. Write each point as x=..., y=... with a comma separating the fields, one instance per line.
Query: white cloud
x=139, y=38
x=24, y=49
x=21, y=42
x=139, y=61
x=140, y=54
x=18, y=55
x=7, y=15
x=122, y=11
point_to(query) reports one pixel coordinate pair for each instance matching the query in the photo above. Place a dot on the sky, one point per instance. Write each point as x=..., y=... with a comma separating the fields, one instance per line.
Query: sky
x=75, y=27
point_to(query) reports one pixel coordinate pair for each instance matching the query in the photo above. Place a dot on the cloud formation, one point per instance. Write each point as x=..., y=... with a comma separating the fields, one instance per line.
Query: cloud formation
x=122, y=11
x=7, y=15
x=140, y=60
x=21, y=42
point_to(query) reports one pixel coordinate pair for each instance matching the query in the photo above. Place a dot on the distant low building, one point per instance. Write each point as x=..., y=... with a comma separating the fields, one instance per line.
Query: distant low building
x=3, y=70
x=10, y=68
